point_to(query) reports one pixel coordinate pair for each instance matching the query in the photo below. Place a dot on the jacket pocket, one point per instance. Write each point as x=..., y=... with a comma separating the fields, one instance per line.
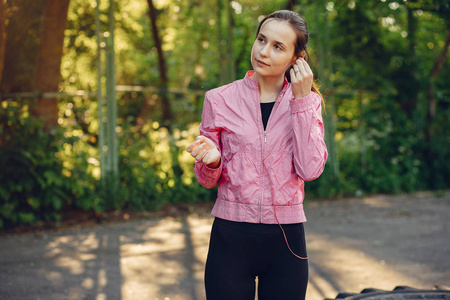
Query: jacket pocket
x=240, y=180
x=286, y=186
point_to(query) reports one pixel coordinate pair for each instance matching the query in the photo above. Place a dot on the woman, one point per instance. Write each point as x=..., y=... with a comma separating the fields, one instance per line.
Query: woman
x=260, y=164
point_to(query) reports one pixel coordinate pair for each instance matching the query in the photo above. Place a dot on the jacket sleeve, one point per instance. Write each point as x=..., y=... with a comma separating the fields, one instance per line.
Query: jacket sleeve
x=309, y=149
x=206, y=176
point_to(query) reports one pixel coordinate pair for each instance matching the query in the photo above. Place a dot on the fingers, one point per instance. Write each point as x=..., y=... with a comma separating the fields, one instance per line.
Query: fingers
x=201, y=154
x=200, y=149
x=206, y=158
x=303, y=66
x=196, y=147
x=198, y=140
x=292, y=73
x=301, y=69
x=301, y=78
x=302, y=73
x=192, y=146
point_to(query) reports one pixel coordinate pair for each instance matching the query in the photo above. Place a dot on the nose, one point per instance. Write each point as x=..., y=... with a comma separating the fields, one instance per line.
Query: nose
x=264, y=52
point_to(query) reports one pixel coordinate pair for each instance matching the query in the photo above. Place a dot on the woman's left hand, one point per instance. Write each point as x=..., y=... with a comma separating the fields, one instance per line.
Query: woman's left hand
x=301, y=78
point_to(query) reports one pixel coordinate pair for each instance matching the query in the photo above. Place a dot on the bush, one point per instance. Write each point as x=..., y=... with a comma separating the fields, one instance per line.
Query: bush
x=44, y=173
x=31, y=183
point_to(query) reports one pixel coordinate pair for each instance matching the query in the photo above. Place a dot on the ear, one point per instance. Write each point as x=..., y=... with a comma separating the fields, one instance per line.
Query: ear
x=302, y=55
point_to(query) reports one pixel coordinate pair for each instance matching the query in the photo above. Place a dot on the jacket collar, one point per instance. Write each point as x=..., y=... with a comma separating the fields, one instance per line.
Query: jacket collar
x=253, y=84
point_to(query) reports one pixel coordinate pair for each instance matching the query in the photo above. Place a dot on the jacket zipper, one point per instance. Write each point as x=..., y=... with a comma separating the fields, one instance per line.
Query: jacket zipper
x=264, y=151
x=263, y=169
x=263, y=162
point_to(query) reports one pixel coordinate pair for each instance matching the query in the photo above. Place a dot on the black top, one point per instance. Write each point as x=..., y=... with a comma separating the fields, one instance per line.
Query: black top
x=266, y=109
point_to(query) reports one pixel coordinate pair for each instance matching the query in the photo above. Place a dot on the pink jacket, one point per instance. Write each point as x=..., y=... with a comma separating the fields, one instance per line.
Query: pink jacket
x=262, y=173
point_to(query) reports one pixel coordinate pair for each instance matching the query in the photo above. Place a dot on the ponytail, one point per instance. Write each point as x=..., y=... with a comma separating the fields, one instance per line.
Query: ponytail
x=315, y=89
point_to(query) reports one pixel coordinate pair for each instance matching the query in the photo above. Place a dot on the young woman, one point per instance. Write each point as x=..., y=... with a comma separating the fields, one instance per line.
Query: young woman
x=260, y=164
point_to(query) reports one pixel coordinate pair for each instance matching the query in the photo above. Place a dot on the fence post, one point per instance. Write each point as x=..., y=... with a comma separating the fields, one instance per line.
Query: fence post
x=101, y=129
x=111, y=101
x=108, y=147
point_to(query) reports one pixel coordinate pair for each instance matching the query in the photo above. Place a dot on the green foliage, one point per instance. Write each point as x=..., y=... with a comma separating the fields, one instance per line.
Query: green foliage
x=382, y=54
x=44, y=173
x=32, y=187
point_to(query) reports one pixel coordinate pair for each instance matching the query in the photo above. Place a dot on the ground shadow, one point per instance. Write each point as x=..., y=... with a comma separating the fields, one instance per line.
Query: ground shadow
x=72, y=265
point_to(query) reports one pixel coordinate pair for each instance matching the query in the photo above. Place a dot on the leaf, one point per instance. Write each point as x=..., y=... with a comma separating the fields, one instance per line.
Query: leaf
x=57, y=202
x=26, y=217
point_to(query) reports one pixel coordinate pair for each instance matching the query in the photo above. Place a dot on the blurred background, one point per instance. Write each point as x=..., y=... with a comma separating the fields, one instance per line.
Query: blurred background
x=100, y=98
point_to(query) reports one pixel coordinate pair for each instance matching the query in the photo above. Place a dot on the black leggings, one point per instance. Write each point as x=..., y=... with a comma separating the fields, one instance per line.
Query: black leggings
x=238, y=252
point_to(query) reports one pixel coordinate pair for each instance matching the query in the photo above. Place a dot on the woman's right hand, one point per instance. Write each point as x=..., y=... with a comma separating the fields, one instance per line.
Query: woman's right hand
x=204, y=150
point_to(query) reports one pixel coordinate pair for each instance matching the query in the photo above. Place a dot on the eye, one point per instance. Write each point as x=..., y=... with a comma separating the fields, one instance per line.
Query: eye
x=260, y=39
x=278, y=47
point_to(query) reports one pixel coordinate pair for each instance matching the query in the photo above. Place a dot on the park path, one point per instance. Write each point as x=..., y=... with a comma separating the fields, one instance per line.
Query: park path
x=378, y=242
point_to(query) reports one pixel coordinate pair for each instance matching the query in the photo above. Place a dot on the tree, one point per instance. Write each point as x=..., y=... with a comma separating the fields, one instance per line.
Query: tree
x=433, y=75
x=47, y=73
x=442, y=9
x=24, y=19
x=2, y=36
x=167, y=112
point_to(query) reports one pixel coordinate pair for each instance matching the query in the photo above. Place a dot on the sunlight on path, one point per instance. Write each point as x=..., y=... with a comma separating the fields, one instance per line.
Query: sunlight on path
x=343, y=266
x=352, y=245
x=165, y=261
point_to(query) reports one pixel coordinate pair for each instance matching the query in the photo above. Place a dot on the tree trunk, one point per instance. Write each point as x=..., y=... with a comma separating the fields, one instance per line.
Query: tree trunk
x=362, y=134
x=2, y=56
x=2, y=37
x=167, y=111
x=410, y=92
x=24, y=20
x=144, y=111
x=433, y=74
x=47, y=73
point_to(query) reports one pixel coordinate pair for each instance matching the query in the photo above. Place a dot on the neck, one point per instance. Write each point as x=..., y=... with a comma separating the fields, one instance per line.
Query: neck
x=269, y=87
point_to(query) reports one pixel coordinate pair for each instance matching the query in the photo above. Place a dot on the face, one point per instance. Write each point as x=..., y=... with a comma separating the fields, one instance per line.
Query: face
x=273, y=49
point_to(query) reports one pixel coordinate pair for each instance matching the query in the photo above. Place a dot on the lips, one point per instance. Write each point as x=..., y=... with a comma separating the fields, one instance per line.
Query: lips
x=261, y=62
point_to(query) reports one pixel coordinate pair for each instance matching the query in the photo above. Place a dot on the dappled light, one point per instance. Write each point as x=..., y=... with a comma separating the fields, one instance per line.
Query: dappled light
x=99, y=100
x=352, y=245
x=120, y=142
x=163, y=262
x=378, y=242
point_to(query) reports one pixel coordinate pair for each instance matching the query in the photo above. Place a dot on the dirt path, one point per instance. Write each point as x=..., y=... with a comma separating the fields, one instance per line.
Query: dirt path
x=378, y=242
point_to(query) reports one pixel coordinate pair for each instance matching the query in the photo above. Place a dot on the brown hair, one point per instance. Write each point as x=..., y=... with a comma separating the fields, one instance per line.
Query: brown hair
x=301, y=29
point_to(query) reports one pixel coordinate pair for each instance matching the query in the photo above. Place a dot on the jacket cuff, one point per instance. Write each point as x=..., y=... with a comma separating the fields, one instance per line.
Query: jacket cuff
x=219, y=167
x=304, y=104
x=208, y=172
